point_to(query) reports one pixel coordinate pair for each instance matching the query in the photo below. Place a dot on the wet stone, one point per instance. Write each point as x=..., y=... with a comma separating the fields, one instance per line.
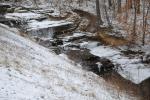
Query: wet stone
x=49, y=42
x=91, y=62
x=146, y=59
x=131, y=52
x=4, y=8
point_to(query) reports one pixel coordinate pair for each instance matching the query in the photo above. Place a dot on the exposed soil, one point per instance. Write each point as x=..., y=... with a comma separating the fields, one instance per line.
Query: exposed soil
x=142, y=90
x=91, y=27
x=111, y=40
x=101, y=32
x=67, y=15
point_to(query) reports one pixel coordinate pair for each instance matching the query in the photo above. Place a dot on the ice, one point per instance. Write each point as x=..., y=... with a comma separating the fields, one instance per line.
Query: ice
x=132, y=69
x=36, y=25
x=89, y=44
x=23, y=16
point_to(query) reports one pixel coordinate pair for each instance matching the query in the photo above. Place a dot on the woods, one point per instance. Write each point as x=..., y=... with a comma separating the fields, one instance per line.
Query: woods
x=132, y=15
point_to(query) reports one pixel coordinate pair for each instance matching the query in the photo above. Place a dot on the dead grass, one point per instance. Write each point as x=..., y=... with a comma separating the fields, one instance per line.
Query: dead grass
x=123, y=85
x=111, y=40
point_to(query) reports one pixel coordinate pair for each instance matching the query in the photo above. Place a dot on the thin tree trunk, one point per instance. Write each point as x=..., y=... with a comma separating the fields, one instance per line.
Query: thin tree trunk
x=35, y=3
x=119, y=6
x=109, y=3
x=143, y=38
x=126, y=10
x=134, y=22
x=106, y=13
x=138, y=6
x=129, y=3
x=99, y=19
x=145, y=21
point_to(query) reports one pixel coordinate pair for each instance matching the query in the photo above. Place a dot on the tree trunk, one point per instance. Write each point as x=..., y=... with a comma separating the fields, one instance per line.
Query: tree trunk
x=119, y=6
x=99, y=19
x=109, y=3
x=106, y=13
x=133, y=35
x=138, y=6
x=35, y=3
x=145, y=16
x=129, y=3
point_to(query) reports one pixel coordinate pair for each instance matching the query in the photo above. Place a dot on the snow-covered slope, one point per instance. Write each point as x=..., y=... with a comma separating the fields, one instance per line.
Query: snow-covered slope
x=31, y=72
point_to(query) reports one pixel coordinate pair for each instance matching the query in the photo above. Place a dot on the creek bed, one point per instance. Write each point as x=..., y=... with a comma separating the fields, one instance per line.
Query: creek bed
x=78, y=48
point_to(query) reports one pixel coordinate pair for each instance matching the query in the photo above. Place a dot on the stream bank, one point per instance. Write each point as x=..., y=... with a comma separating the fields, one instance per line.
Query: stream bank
x=86, y=50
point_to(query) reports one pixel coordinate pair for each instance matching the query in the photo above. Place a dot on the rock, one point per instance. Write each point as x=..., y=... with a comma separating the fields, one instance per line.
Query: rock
x=44, y=11
x=91, y=62
x=132, y=52
x=24, y=16
x=6, y=21
x=57, y=42
x=4, y=8
x=107, y=65
x=75, y=18
x=48, y=42
x=72, y=45
x=20, y=10
x=146, y=59
x=45, y=43
x=46, y=27
x=83, y=24
x=74, y=38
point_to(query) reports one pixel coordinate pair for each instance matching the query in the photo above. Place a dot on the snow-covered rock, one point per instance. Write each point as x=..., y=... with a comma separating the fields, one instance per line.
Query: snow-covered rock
x=36, y=25
x=45, y=28
x=24, y=16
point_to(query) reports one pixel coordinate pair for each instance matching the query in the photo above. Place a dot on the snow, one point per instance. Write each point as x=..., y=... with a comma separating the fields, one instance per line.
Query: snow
x=89, y=44
x=23, y=16
x=31, y=72
x=131, y=68
x=35, y=25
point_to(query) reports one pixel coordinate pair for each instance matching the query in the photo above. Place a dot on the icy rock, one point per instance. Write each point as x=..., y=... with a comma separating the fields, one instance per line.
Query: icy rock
x=4, y=8
x=45, y=28
x=36, y=25
x=146, y=59
x=24, y=16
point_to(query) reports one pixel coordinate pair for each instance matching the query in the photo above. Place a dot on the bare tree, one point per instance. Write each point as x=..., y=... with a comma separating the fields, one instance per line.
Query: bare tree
x=119, y=6
x=133, y=35
x=138, y=6
x=98, y=11
x=129, y=4
x=109, y=3
x=145, y=16
x=106, y=13
x=35, y=3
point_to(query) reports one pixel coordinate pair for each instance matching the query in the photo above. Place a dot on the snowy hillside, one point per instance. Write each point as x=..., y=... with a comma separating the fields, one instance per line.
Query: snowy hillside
x=74, y=50
x=31, y=72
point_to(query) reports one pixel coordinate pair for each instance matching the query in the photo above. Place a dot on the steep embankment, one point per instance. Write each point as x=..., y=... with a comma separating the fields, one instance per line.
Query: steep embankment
x=29, y=71
x=91, y=27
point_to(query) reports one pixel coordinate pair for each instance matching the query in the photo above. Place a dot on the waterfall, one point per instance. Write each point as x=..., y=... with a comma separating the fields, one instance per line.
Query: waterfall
x=46, y=32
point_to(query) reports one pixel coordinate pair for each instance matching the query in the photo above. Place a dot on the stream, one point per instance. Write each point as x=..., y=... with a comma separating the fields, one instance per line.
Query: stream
x=77, y=47
x=85, y=50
